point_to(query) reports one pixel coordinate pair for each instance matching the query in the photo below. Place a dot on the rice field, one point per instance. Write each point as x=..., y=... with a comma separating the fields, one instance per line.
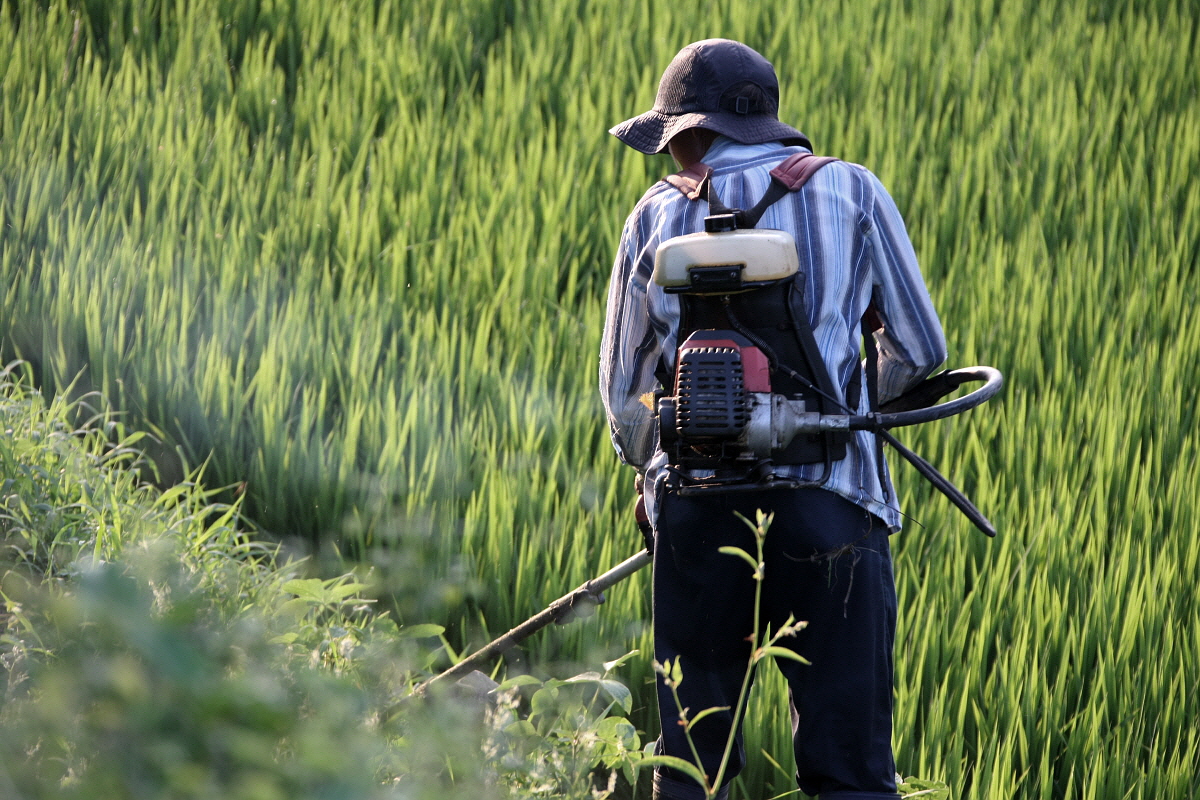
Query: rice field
x=353, y=255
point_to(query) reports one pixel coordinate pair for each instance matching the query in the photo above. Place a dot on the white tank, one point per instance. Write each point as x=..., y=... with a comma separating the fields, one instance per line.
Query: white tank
x=759, y=255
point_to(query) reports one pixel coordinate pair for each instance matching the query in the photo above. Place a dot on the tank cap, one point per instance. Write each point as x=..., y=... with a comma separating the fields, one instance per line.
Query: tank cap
x=719, y=223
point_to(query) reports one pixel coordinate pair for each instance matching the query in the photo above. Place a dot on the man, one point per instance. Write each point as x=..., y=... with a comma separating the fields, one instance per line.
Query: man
x=827, y=558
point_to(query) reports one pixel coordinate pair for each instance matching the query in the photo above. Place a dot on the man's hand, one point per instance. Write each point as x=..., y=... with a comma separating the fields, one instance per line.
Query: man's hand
x=926, y=393
x=643, y=521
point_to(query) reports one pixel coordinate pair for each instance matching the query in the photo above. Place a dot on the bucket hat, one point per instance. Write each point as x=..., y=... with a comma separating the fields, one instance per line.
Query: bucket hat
x=718, y=84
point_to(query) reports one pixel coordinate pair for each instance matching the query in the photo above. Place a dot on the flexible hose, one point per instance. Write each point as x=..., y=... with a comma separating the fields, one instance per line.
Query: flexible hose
x=992, y=381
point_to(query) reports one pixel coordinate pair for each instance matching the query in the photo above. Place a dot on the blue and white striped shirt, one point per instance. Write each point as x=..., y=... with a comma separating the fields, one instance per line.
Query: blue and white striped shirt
x=853, y=247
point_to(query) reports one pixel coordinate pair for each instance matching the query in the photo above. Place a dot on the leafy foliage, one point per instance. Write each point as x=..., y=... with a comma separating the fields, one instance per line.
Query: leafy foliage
x=189, y=663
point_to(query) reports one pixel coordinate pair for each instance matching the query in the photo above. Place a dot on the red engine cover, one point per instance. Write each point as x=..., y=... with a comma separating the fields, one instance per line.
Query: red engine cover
x=756, y=370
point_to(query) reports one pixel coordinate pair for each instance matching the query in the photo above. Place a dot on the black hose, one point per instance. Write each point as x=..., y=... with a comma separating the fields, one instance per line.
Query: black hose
x=991, y=377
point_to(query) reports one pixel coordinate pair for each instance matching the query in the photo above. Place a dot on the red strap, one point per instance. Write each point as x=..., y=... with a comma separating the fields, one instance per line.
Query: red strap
x=691, y=180
x=796, y=170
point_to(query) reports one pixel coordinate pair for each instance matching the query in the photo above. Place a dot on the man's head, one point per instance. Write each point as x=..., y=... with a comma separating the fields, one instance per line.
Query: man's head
x=718, y=85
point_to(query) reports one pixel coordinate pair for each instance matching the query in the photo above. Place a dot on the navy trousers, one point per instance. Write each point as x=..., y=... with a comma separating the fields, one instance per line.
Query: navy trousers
x=828, y=563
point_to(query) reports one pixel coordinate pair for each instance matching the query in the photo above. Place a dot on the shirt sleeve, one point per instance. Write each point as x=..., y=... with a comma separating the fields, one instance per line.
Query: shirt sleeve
x=629, y=353
x=911, y=343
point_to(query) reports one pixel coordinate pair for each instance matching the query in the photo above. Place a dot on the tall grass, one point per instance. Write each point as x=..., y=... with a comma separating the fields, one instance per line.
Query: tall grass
x=152, y=649
x=357, y=253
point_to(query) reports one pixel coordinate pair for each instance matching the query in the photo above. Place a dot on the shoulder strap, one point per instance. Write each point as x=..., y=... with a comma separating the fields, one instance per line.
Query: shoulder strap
x=796, y=170
x=695, y=184
x=692, y=182
x=789, y=176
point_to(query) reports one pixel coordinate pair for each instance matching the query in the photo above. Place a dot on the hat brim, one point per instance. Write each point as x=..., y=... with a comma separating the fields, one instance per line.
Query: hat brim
x=649, y=133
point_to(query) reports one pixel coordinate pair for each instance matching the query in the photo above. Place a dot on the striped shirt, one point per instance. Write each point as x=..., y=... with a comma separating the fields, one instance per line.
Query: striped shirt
x=853, y=249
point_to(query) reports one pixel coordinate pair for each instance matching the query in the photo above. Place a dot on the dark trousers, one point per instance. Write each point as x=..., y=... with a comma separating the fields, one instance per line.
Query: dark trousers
x=828, y=563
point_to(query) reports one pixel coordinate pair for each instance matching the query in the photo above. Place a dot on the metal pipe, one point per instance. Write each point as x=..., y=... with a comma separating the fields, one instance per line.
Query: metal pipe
x=589, y=592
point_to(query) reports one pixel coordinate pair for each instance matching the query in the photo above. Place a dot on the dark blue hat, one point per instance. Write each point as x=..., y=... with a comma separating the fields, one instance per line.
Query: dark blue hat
x=717, y=84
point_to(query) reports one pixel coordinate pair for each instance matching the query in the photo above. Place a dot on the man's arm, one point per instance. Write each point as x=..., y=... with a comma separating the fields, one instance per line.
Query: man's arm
x=911, y=343
x=628, y=354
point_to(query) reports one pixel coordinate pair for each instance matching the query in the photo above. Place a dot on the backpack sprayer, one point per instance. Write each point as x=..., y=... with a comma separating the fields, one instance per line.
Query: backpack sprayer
x=724, y=411
x=737, y=408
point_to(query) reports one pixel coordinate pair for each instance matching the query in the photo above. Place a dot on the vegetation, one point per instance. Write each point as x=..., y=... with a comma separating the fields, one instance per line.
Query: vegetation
x=351, y=257
x=152, y=650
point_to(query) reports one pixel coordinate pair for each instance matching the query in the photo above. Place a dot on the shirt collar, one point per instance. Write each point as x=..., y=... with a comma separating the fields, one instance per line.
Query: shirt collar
x=724, y=151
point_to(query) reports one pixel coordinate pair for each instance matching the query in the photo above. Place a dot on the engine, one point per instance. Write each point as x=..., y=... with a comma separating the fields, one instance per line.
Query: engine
x=723, y=411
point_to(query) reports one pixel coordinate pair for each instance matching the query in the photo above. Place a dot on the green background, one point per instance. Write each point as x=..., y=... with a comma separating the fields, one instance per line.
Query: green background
x=354, y=256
